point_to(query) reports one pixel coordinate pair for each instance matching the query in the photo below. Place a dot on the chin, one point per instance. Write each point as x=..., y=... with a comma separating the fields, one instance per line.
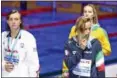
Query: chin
x=15, y=28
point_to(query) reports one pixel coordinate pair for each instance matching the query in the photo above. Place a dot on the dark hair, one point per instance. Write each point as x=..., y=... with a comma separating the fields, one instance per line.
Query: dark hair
x=8, y=15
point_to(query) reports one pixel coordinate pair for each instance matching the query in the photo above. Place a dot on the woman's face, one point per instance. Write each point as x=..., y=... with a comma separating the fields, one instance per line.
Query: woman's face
x=88, y=11
x=14, y=21
x=87, y=29
x=85, y=34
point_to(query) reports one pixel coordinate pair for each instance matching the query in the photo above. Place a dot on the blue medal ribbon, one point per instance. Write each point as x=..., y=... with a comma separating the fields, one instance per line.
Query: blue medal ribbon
x=10, y=58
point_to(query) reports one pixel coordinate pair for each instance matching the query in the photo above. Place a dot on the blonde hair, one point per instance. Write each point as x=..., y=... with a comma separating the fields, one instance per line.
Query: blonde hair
x=95, y=17
x=80, y=24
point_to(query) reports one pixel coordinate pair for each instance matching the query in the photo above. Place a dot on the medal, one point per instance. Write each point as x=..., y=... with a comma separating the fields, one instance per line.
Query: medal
x=12, y=56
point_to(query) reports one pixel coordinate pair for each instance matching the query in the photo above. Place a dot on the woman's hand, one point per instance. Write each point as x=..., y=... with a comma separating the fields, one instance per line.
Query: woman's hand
x=65, y=75
x=9, y=66
x=83, y=43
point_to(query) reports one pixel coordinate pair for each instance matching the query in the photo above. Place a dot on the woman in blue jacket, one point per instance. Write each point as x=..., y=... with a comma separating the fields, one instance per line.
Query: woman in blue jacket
x=83, y=53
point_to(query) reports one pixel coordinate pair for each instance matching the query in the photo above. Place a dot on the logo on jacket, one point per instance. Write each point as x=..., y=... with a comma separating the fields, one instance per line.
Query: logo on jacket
x=74, y=52
x=22, y=45
x=89, y=52
x=34, y=49
x=66, y=52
